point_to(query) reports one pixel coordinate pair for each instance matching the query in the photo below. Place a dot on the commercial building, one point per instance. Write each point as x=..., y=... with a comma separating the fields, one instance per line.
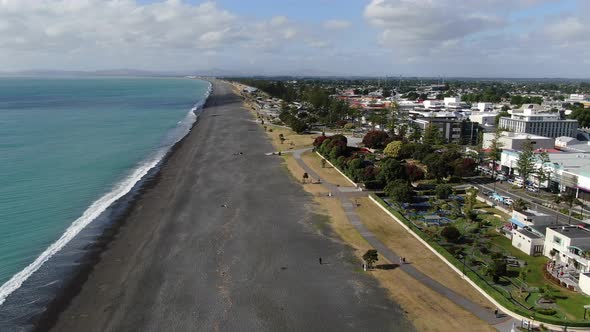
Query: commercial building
x=528, y=241
x=566, y=171
x=453, y=130
x=529, y=120
x=486, y=119
x=515, y=141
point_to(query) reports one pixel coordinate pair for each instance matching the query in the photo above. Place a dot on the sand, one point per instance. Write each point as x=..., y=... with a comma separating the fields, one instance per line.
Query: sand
x=226, y=242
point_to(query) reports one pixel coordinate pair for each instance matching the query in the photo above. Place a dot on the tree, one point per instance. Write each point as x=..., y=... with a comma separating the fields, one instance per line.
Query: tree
x=443, y=191
x=542, y=175
x=415, y=133
x=526, y=160
x=391, y=170
x=571, y=200
x=451, y=234
x=497, y=269
x=502, y=114
x=495, y=153
x=470, y=202
x=376, y=139
x=393, y=149
x=519, y=205
x=414, y=173
x=370, y=257
x=298, y=126
x=399, y=191
x=432, y=135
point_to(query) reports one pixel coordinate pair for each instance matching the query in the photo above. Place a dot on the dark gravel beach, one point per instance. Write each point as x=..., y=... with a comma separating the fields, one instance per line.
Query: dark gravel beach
x=225, y=241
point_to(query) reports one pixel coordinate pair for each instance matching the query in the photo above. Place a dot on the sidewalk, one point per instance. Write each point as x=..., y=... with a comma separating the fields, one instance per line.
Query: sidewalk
x=487, y=315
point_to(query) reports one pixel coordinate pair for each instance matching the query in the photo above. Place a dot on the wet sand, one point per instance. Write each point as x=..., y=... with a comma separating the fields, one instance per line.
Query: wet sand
x=227, y=242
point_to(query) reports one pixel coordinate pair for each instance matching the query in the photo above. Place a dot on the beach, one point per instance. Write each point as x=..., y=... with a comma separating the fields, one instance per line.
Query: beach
x=226, y=240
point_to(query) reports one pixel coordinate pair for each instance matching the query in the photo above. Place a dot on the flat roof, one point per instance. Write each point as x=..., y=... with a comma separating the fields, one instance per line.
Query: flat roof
x=528, y=233
x=571, y=231
x=533, y=213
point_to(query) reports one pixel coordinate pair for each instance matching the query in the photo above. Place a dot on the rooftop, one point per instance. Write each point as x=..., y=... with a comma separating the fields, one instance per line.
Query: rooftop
x=528, y=233
x=571, y=231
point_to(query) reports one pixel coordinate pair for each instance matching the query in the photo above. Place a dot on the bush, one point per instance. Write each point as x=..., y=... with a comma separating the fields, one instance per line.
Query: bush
x=443, y=191
x=399, y=191
x=451, y=234
x=546, y=311
x=319, y=140
x=376, y=139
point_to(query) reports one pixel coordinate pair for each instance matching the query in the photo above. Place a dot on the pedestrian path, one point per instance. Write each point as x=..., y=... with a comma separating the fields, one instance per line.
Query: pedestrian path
x=500, y=323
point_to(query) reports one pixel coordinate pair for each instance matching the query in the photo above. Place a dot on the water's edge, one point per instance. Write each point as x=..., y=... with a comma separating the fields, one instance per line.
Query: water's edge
x=36, y=307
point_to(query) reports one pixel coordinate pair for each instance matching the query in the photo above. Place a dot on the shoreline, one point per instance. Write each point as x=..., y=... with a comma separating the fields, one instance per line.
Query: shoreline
x=109, y=223
x=72, y=288
x=178, y=241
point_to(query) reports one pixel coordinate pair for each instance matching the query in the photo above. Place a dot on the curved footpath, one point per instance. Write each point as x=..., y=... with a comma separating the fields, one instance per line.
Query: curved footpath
x=503, y=323
x=224, y=241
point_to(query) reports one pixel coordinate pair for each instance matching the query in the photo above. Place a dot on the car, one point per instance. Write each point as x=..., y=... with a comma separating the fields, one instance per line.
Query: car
x=508, y=201
x=501, y=177
x=532, y=189
x=511, y=181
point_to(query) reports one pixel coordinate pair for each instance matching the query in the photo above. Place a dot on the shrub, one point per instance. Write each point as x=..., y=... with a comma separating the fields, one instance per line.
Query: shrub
x=393, y=149
x=399, y=191
x=376, y=139
x=319, y=140
x=546, y=311
x=451, y=234
x=443, y=191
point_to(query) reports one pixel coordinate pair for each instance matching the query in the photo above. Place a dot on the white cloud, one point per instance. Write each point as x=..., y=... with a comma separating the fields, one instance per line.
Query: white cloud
x=337, y=24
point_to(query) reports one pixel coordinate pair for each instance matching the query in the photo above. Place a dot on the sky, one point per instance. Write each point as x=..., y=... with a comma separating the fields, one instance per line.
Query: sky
x=468, y=38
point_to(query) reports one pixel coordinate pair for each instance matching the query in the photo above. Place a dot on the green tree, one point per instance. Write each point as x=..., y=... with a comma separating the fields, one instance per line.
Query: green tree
x=542, y=174
x=432, y=135
x=376, y=139
x=370, y=257
x=399, y=191
x=443, y=191
x=470, y=202
x=495, y=153
x=451, y=234
x=570, y=200
x=497, y=269
x=526, y=160
x=393, y=149
x=519, y=205
x=391, y=170
x=415, y=133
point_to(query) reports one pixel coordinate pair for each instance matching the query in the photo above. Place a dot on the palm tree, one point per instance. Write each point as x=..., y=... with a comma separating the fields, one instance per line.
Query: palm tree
x=571, y=200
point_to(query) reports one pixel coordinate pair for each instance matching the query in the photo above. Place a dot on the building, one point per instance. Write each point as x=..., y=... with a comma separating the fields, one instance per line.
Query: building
x=451, y=100
x=530, y=121
x=528, y=241
x=486, y=119
x=566, y=171
x=433, y=104
x=568, y=245
x=514, y=141
x=577, y=98
x=530, y=218
x=485, y=107
x=453, y=130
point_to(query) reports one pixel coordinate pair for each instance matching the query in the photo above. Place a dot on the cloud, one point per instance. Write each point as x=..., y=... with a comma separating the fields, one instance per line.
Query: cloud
x=337, y=24
x=427, y=23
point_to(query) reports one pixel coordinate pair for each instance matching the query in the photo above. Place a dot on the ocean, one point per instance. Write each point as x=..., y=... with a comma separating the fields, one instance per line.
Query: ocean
x=69, y=149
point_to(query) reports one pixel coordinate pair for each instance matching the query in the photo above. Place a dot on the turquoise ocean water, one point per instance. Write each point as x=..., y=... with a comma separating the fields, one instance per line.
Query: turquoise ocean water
x=71, y=147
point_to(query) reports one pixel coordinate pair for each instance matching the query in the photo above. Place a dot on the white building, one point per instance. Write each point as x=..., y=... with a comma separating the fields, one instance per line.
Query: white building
x=569, y=245
x=528, y=241
x=430, y=104
x=514, y=141
x=530, y=121
x=484, y=107
x=530, y=218
x=486, y=119
x=577, y=98
x=451, y=100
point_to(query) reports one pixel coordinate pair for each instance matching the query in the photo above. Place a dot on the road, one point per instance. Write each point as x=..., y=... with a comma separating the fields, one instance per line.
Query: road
x=485, y=184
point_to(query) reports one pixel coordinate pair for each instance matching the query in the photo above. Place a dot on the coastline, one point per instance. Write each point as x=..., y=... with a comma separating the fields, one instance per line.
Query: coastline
x=87, y=246
x=144, y=276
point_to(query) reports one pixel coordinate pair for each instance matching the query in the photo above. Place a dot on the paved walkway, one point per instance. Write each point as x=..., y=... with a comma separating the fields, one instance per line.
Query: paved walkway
x=485, y=314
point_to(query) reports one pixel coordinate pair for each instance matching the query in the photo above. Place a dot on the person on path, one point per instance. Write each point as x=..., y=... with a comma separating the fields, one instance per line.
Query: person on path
x=320, y=261
x=496, y=313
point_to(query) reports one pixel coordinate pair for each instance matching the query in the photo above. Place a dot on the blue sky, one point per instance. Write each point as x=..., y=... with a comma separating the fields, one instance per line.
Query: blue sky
x=508, y=38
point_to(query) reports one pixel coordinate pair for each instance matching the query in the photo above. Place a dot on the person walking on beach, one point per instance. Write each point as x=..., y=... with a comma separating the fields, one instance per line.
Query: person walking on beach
x=496, y=313
x=320, y=259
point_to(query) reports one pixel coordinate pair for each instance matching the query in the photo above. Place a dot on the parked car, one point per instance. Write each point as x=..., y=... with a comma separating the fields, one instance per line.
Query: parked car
x=532, y=189
x=508, y=200
x=511, y=181
x=501, y=177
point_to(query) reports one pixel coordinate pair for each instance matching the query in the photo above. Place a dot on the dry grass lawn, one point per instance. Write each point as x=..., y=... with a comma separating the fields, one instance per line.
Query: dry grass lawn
x=403, y=243
x=293, y=141
x=328, y=173
x=426, y=309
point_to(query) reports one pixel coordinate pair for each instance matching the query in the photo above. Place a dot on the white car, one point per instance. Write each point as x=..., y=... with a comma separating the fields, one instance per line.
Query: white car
x=508, y=200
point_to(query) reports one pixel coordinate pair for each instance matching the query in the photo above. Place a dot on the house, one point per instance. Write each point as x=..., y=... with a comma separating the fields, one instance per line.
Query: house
x=529, y=218
x=529, y=241
x=568, y=245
